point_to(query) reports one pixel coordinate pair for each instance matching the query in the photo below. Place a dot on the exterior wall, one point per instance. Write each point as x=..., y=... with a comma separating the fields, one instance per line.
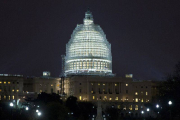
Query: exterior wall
x=34, y=86
x=17, y=88
x=123, y=93
x=110, y=89
x=11, y=87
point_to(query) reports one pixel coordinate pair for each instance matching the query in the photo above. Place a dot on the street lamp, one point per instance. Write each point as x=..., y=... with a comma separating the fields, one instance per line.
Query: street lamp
x=142, y=112
x=170, y=103
x=39, y=113
x=11, y=104
x=148, y=111
x=157, y=106
x=27, y=108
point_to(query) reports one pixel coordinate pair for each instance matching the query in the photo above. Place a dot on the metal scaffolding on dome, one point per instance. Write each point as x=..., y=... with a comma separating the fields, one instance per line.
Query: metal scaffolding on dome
x=88, y=52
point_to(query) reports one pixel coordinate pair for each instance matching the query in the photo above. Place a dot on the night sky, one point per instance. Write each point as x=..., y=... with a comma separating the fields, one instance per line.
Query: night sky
x=144, y=34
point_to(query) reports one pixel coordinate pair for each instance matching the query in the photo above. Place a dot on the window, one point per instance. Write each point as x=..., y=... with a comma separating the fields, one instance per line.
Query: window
x=0, y=82
x=92, y=91
x=115, y=84
x=13, y=97
x=4, y=97
x=0, y=97
x=40, y=91
x=9, y=82
x=124, y=108
x=136, y=99
x=93, y=97
x=136, y=107
x=126, y=91
x=118, y=106
x=80, y=98
x=141, y=92
x=104, y=84
x=146, y=93
x=126, y=84
x=110, y=98
x=57, y=85
x=116, y=98
x=91, y=83
x=142, y=100
x=12, y=90
x=4, y=82
x=0, y=90
x=103, y=90
x=17, y=90
x=130, y=107
x=147, y=100
x=105, y=97
x=51, y=85
x=136, y=93
x=9, y=97
x=99, y=84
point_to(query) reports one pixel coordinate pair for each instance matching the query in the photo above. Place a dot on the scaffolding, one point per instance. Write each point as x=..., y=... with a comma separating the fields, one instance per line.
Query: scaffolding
x=88, y=52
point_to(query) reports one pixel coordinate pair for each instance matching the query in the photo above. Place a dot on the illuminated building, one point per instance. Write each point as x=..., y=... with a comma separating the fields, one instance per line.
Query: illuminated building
x=88, y=52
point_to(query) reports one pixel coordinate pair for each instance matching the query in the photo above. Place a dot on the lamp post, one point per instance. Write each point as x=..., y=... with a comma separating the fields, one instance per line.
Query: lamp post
x=148, y=111
x=157, y=106
x=11, y=105
x=38, y=114
x=142, y=112
x=170, y=103
x=27, y=108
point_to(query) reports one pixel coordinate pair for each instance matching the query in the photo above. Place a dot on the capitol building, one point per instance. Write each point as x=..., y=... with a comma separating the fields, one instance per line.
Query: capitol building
x=86, y=74
x=88, y=52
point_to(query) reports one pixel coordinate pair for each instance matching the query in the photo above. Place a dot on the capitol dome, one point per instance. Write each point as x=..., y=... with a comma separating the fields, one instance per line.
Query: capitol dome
x=88, y=52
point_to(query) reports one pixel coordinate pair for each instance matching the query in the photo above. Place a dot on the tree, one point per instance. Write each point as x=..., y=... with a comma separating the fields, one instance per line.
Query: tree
x=87, y=108
x=113, y=113
x=51, y=106
x=80, y=110
x=56, y=111
x=72, y=105
x=170, y=90
x=45, y=98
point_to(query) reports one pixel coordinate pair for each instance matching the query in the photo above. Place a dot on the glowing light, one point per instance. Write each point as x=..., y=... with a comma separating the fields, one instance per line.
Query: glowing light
x=27, y=108
x=88, y=51
x=11, y=104
x=39, y=113
x=170, y=102
x=157, y=106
